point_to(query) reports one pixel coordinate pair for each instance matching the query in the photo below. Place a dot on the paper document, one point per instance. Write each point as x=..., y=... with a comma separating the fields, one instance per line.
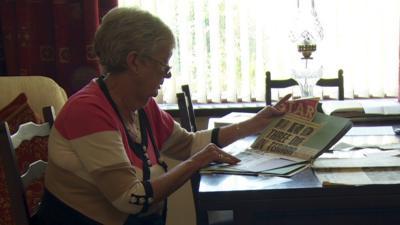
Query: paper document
x=331, y=107
x=256, y=162
x=372, y=130
x=358, y=176
x=343, y=146
x=381, y=106
x=360, y=107
x=287, y=171
x=356, y=162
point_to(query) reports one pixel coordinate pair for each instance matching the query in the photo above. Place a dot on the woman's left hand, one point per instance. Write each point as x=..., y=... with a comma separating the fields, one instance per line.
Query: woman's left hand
x=264, y=116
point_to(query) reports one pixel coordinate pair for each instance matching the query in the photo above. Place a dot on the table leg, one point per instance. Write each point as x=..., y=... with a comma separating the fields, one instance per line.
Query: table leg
x=244, y=217
x=201, y=217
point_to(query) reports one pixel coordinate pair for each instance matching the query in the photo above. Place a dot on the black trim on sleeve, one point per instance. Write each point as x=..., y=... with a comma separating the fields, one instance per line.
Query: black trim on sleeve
x=149, y=196
x=215, y=136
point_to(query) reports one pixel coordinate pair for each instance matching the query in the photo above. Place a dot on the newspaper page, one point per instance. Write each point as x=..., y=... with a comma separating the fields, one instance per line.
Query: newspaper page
x=281, y=144
x=291, y=141
x=287, y=136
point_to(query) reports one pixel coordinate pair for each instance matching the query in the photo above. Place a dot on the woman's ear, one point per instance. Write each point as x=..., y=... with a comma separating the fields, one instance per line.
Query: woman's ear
x=132, y=61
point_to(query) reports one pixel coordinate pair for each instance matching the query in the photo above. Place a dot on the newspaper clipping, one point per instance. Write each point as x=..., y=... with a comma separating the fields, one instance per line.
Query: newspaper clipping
x=287, y=137
x=291, y=131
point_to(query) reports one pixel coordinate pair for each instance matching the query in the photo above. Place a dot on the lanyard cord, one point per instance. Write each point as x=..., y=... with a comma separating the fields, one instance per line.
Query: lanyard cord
x=144, y=125
x=145, y=121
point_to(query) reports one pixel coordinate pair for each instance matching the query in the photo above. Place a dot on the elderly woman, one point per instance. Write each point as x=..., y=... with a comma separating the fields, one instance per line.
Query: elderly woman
x=104, y=149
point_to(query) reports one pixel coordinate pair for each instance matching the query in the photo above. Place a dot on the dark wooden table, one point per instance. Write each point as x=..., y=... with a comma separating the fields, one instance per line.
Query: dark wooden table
x=301, y=199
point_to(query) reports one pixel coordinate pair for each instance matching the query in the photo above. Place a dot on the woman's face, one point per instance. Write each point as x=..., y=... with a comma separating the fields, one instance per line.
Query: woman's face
x=154, y=69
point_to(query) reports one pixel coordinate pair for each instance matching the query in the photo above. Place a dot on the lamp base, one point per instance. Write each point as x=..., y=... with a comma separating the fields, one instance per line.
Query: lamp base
x=306, y=50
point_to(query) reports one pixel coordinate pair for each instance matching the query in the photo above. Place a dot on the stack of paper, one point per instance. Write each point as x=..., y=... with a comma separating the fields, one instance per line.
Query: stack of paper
x=255, y=164
x=348, y=108
x=359, y=108
x=359, y=176
x=360, y=165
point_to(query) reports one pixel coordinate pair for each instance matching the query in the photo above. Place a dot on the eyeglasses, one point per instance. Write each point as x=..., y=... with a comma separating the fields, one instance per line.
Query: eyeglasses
x=167, y=68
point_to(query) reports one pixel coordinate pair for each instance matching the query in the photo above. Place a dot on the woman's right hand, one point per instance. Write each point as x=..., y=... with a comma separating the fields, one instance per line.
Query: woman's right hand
x=212, y=153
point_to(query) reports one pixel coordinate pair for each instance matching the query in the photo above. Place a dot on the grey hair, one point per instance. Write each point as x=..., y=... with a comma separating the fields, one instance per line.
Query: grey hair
x=127, y=29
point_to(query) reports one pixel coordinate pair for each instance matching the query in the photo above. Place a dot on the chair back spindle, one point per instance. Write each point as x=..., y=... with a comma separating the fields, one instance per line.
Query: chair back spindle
x=184, y=112
x=189, y=103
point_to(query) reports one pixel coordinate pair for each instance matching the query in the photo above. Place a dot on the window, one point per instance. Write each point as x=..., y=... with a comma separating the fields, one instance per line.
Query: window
x=224, y=47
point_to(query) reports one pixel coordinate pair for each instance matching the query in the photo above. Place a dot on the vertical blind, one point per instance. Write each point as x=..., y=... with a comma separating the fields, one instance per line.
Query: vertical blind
x=224, y=47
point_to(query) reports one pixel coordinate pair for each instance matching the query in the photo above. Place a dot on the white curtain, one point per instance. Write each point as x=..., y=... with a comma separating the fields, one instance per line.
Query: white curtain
x=224, y=47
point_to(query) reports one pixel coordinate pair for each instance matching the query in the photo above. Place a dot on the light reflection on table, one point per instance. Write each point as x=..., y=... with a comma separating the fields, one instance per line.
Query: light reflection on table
x=239, y=182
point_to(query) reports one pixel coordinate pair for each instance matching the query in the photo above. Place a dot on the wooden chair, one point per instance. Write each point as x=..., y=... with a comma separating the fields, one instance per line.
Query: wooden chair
x=323, y=82
x=15, y=182
x=192, y=116
x=334, y=82
x=188, y=122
